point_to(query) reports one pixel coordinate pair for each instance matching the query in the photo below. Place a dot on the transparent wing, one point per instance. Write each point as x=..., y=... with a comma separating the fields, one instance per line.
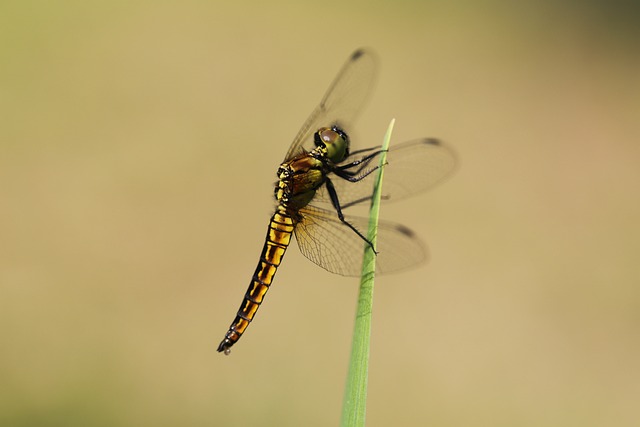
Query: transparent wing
x=343, y=101
x=412, y=167
x=326, y=241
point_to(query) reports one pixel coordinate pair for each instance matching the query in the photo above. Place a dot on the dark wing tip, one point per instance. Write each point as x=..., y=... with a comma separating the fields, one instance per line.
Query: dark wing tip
x=453, y=157
x=405, y=230
x=357, y=54
x=432, y=141
x=363, y=51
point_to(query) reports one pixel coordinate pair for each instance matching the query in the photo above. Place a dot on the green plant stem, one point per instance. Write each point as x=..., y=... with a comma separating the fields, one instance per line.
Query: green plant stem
x=355, y=396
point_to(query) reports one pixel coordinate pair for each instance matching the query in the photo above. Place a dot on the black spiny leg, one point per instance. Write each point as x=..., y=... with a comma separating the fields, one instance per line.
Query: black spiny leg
x=336, y=204
x=364, y=150
x=356, y=175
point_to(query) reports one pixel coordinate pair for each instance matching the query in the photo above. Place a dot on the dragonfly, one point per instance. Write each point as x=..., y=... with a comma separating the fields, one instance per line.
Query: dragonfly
x=321, y=178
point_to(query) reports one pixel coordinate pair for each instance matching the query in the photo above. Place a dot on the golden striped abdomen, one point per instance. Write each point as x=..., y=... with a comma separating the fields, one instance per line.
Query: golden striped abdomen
x=278, y=237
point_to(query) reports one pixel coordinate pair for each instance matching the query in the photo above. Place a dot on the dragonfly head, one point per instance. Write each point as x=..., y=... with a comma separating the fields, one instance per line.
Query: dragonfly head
x=334, y=142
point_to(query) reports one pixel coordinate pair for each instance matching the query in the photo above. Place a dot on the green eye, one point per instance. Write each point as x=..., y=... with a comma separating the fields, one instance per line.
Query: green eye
x=334, y=141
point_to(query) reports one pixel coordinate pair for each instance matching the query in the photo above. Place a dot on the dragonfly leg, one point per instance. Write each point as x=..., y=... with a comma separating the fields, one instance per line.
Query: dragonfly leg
x=364, y=161
x=355, y=176
x=358, y=174
x=364, y=150
x=336, y=204
x=343, y=170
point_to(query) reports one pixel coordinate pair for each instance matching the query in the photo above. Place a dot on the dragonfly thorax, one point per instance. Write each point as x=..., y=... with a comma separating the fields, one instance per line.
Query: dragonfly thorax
x=299, y=178
x=333, y=142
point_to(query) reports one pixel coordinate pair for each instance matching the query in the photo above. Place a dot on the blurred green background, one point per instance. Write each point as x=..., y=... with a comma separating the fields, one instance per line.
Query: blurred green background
x=138, y=148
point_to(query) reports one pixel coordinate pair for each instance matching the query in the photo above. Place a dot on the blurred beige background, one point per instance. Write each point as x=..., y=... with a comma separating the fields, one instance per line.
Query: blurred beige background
x=138, y=148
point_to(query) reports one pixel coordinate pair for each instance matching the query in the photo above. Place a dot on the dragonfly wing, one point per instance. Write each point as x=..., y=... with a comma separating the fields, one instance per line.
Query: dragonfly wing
x=332, y=245
x=416, y=166
x=343, y=101
x=412, y=167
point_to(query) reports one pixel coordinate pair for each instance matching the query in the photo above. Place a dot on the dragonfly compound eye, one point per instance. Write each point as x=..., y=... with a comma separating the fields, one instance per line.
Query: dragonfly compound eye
x=334, y=141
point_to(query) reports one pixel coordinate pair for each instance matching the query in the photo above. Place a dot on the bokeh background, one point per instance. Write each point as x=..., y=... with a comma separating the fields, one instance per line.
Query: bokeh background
x=138, y=148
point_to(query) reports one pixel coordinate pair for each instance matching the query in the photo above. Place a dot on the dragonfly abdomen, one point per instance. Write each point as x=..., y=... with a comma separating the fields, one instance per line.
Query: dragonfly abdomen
x=278, y=238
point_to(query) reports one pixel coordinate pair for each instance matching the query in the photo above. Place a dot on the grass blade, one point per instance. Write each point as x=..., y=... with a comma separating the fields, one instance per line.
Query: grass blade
x=354, y=405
